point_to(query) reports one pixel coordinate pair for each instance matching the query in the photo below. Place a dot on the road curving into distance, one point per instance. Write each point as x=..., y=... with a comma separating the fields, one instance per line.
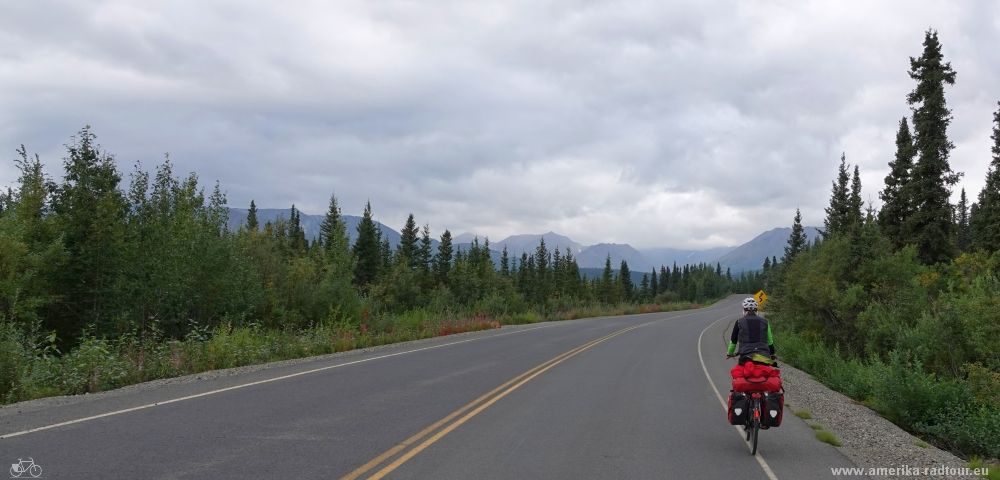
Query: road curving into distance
x=615, y=397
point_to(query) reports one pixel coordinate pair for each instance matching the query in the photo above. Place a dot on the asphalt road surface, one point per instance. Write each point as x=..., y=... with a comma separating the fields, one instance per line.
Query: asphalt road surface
x=613, y=397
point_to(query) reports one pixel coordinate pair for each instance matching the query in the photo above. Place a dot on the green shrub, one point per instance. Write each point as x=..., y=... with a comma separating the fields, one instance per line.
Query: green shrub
x=93, y=366
x=13, y=359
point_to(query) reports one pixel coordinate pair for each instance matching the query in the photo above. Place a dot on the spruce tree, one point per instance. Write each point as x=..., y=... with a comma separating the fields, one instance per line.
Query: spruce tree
x=296, y=235
x=442, y=261
x=91, y=211
x=854, y=203
x=252, y=223
x=367, y=249
x=985, y=219
x=333, y=234
x=607, y=292
x=424, y=254
x=407, y=249
x=625, y=281
x=963, y=237
x=504, y=262
x=796, y=241
x=332, y=224
x=931, y=224
x=897, y=204
x=654, y=284
x=838, y=213
x=664, y=279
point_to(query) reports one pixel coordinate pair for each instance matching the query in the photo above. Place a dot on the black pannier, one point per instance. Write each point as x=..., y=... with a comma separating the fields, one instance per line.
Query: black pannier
x=772, y=409
x=739, y=404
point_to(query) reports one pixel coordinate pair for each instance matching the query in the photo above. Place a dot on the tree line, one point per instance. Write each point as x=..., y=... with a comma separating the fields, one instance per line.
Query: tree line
x=896, y=306
x=94, y=255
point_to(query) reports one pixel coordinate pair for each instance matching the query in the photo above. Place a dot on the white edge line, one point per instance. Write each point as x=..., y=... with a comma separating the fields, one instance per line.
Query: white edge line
x=760, y=458
x=268, y=380
x=259, y=382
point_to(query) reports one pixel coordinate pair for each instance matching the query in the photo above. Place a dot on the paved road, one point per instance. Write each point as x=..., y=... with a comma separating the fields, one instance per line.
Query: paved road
x=614, y=397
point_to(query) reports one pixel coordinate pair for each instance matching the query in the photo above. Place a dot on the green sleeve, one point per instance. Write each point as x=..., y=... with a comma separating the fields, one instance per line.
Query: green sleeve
x=770, y=336
x=732, y=346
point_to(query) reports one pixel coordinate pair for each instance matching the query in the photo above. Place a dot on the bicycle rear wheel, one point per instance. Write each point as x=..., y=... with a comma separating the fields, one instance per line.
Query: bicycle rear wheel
x=753, y=441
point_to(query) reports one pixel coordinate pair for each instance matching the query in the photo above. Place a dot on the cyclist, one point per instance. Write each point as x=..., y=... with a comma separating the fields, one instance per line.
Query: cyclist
x=752, y=334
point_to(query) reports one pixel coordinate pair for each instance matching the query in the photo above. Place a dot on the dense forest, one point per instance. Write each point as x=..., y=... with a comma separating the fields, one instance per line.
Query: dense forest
x=900, y=307
x=105, y=282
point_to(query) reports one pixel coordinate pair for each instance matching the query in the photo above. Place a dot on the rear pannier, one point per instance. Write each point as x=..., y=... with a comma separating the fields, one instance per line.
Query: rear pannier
x=739, y=403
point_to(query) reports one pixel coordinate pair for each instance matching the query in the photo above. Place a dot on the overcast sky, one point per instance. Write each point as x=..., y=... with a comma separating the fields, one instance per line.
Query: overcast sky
x=653, y=123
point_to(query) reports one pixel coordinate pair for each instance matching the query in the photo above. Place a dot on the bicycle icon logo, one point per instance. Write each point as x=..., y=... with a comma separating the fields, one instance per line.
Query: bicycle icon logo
x=25, y=466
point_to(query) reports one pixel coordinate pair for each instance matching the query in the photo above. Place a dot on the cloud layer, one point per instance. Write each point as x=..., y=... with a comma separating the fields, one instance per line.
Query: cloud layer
x=685, y=125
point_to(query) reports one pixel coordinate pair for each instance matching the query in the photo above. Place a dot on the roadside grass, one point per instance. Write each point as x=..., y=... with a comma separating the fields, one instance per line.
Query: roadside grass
x=921, y=444
x=957, y=414
x=993, y=472
x=827, y=437
x=30, y=369
x=803, y=414
x=815, y=426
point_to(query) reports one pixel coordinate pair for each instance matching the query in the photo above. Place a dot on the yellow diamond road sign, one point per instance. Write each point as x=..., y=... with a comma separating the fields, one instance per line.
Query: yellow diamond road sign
x=761, y=297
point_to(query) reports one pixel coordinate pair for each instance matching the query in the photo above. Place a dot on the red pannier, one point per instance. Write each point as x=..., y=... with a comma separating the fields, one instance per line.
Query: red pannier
x=754, y=377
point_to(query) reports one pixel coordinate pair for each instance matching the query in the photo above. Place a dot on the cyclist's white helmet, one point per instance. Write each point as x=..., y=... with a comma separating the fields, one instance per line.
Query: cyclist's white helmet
x=750, y=304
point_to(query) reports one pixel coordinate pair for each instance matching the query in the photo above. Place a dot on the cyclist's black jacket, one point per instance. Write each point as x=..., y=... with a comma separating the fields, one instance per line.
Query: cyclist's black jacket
x=753, y=335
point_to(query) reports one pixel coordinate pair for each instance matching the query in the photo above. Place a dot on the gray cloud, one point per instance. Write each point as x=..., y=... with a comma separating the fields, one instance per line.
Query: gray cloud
x=653, y=123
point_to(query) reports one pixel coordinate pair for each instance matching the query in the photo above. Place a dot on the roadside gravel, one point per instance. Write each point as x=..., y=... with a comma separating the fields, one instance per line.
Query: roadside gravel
x=868, y=439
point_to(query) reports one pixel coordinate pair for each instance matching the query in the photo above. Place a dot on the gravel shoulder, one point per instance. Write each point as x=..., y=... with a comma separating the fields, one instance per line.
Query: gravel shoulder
x=869, y=440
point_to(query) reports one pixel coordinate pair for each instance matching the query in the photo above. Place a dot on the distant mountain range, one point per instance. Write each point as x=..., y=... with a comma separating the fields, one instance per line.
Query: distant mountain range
x=746, y=257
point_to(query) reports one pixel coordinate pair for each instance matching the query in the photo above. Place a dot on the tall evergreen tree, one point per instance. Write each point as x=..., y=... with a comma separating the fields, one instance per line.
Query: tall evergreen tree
x=931, y=224
x=607, y=290
x=854, y=203
x=897, y=204
x=985, y=220
x=296, y=235
x=407, y=249
x=625, y=281
x=654, y=284
x=838, y=213
x=252, y=223
x=664, y=279
x=442, y=261
x=367, y=249
x=91, y=211
x=963, y=238
x=504, y=262
x=333, y=236
x=796, y=241
x=424, y=254
x=542, y=271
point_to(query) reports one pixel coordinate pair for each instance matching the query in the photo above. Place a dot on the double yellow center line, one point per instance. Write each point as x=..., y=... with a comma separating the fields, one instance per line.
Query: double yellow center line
x=434, y=432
